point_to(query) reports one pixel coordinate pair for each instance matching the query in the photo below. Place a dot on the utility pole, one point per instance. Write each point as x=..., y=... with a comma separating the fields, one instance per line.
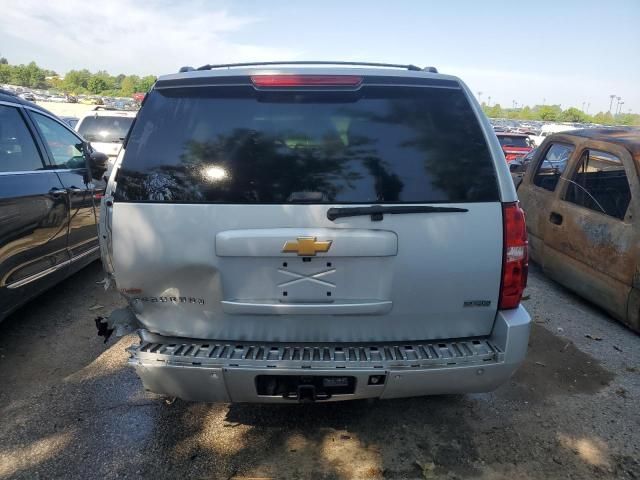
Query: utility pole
x=611, y=102
x=617, y=103
x=489, y=101
x=588, y=105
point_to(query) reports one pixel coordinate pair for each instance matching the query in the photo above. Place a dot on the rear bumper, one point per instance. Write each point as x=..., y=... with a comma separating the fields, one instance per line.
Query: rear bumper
x=211, y=371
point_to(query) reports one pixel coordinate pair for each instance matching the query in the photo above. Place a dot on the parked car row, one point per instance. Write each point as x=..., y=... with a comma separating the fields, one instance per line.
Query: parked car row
x=39, y=95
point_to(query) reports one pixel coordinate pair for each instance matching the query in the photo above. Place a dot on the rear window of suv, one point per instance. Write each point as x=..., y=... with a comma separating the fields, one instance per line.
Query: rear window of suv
x=381, y=144
x=105, y=129
x=513, y=141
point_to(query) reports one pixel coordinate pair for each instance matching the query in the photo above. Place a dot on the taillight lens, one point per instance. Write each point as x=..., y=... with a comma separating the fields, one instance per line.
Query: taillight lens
x=515, y=262
x=306, y=80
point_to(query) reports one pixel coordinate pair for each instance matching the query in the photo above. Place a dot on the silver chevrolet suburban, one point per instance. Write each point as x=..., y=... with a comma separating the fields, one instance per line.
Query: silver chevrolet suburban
x=316, y=231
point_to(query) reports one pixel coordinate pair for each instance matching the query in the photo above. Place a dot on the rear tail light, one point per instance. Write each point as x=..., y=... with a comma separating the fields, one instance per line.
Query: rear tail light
x=515, y=261
x=306, y=80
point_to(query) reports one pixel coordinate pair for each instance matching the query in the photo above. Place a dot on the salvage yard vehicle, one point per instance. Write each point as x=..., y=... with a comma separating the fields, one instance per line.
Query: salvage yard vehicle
x=518, y=167
x=48, y=224
x=550, y=129
x=315, y=231
x=106, y=129
x=581, y=195
x=514, y=145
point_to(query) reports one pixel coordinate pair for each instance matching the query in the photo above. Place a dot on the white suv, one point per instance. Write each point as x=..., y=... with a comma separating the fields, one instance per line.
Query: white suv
x=316, y=233
x=106, y=130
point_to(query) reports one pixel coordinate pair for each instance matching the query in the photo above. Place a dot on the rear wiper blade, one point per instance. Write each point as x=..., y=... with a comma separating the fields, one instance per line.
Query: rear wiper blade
x=377, y=211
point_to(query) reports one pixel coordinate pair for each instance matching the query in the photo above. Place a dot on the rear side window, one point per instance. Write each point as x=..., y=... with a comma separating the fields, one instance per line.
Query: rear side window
x=105, y=129
x=65, y=147
x=600, y=183
x=241, y=145
x=18, y=152
x=553, y=166
x=513, y=141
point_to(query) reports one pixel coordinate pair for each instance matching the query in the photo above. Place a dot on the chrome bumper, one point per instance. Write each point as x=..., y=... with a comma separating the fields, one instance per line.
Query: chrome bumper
x=211, y=371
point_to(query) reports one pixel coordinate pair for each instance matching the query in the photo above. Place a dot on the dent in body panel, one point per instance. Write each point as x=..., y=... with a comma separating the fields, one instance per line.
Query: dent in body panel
x=169, y=251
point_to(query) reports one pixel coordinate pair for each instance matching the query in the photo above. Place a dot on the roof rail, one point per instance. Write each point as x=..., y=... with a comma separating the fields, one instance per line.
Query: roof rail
x=306, y=62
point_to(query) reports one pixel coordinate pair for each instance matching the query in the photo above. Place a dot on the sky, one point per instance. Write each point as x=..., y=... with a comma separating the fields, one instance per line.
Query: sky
x=572, y=53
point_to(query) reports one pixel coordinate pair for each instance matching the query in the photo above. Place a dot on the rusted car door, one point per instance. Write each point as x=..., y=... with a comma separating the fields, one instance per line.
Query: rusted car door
x=539, y=190
x=589, y=241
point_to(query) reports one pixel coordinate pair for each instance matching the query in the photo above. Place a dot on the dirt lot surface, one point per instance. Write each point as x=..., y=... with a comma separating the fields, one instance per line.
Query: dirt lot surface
x=71, y=408
x=66, y=109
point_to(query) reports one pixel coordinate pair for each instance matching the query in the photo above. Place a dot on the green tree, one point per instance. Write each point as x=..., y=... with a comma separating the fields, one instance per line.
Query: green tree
x=145, y=83
x=5, y=73
x=19, y=75
x=527, y=114
x=97, y=84
x=128, y=85
x=36, y=76
x=117, y=84
x=549, y=112
x=603, y=118
x=76, y=81
x=493, y=112
x=573, y=115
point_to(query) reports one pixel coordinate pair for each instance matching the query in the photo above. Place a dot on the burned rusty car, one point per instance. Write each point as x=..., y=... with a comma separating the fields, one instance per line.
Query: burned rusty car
x=581, y=196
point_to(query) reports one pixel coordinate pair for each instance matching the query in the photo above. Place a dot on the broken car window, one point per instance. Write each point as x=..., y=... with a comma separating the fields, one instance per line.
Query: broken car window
x=600, y=183
x=552, y=166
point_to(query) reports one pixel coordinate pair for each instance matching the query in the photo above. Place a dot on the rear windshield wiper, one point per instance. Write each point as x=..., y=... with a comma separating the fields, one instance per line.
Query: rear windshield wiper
x=377, y=211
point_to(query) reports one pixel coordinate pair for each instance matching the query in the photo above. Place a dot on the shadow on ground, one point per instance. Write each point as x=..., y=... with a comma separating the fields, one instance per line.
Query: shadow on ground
x=71, y=408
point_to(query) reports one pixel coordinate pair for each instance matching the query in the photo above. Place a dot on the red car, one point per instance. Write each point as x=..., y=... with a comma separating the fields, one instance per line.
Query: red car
x=514, y=145
x=138, y=96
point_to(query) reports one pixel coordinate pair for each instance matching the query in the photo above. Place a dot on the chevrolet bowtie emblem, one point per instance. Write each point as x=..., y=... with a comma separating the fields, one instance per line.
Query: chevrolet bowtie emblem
x=306, y=246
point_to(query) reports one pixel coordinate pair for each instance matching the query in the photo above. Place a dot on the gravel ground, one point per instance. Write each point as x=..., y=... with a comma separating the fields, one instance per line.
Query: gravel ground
x=70, y=408
x=66, y=109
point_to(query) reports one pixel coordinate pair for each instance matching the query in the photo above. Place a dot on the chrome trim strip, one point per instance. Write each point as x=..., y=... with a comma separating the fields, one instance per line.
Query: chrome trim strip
x=44, y=273
x=11, y=104
x=48, y=170
x=372, y=307
x=30, y=262
x=38, y=276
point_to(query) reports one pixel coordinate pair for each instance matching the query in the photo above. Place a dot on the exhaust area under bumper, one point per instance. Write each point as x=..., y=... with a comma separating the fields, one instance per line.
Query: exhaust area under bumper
x=212, y=371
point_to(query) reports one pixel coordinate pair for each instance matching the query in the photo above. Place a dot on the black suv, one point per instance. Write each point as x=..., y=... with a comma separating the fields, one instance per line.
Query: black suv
x=47, y=202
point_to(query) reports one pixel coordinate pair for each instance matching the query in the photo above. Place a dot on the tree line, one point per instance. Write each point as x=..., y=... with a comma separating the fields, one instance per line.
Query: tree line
x=553, y=113
x=75, y=81
x=102, y=83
